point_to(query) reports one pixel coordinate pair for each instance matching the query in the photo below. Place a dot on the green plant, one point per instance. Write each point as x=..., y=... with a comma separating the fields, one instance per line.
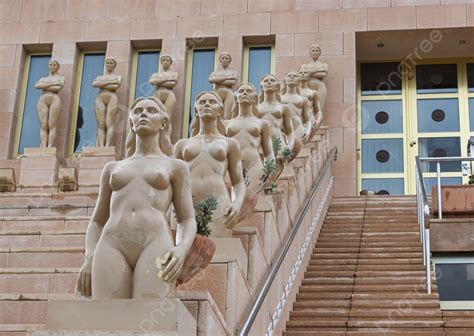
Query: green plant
x=270, y=188
x=269, y=168
x=276, y=146
x=287, y=155
x=203, y=212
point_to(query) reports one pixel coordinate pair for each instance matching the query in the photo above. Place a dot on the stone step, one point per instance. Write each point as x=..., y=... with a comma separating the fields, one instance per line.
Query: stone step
x=316, y=332
x=398, y=304
x=328, y=288
x=419, y=313
x=44, y=223
x=47, y=199
x=404, y=288
x=395, y=331
x=323, y=296
x=322, y=304
x=331, y=268
x=70, y=210
x=27, y=239
x=320, y=312
x=396, y=324
x=328, y=280
x=41, y=257
x=38, y=280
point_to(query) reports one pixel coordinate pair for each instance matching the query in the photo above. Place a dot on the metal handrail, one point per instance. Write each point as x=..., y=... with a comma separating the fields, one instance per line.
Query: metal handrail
x=281, y=256
x=423, y=208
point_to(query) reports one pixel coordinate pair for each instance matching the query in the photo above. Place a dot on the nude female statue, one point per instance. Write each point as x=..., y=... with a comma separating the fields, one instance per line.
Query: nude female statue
x=313, y=98
x=130, y=252
x=210, y=156
x=299, y=106
x=252, y=133
x=106, y=103
x=224, y=81
x=317, y=71
x=277, y=114
x=49, y=104
x=164, y=82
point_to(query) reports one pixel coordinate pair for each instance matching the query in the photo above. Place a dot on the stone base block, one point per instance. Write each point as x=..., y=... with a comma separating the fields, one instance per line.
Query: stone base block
x=39, y=168
x=226, y=281
x=92, y=162
x=287, y=181
x=118, y=317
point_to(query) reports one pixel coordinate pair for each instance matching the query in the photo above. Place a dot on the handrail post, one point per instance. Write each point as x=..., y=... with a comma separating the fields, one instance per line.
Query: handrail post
x=440, y=202
x=428, y=261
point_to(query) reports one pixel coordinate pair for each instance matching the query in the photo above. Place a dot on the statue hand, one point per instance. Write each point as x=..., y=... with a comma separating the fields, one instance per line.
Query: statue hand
x=306, y=136
x=231, y=216
x=83, y=285
x=171, y=263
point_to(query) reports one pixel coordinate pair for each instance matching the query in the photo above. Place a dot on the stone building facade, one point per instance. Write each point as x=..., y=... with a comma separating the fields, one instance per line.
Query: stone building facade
x=348, y=31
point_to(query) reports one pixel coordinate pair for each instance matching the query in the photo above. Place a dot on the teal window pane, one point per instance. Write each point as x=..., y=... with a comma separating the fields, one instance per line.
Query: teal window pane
x=30, y=127
x=436, y=78
x=382, y=156
x=260, y=61
x=203, y=65
x=390, y=186
x=471, y=114
x=147, y=65
x=440, y=147
x=455, y=281
x=430, y=182
x=381, y=79
x=380, y=117
x=438, y=115
x=86, y=129
x=470, y=77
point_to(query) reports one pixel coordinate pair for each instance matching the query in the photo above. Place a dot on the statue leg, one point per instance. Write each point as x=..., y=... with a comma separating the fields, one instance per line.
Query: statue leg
x=43, y=118
x=111, y=274
x=146, y=282
x=112, y=110
x=170, y=104
x=228, y=103
x=54, y=111
x=100, y=109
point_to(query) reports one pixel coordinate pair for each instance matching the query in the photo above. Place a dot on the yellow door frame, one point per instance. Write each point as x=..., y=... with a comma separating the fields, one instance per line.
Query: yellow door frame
x=410, y=133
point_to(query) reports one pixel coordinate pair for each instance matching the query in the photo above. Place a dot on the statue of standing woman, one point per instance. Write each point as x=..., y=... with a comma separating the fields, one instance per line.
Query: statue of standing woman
x=224, y=81
x=211, y=156
x=317, y=71
x=106, y=103
x=49, y=104
x=130, y=250
x=164, y=81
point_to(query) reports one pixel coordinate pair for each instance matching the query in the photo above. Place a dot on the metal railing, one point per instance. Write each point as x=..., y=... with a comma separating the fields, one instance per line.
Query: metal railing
x=423, y=208
x=281, y=256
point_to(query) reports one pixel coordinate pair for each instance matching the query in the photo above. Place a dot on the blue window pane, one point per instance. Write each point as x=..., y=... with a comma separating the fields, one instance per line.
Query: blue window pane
x=440, y=147
x=260, y=60
x=391, y=186
x=436, y=78
x=147, y=65
x=470, y=77
x=430, y=182
x=382, y=117
x=86, y=129
x=203, y=65
x=438, y=115
x=455, y=282
x=382, y=156
x=471, y=113
x=381, y=79
x=30, y=127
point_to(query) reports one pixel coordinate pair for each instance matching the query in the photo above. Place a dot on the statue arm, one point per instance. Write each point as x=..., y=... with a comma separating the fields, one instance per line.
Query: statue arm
x=288, y=124
x=156, y=79
x=237, y=181
x=186, y=231
x=307, y=120
x=267, y=143
x=94, y=230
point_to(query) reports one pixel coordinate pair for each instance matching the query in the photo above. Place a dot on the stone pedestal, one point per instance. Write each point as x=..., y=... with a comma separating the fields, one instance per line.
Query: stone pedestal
x=226, y=281
x=118, y=317
x=39, y=168
x=93, y=160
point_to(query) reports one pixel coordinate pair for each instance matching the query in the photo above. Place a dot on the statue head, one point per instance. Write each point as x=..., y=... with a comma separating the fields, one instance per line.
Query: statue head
x=315, y=51
x=270, y=83
x=147, y=117
x=303, y=74
x=110, y=64
x=245, y=94
x=208, y=107
x=225, y=58
x=53, y=65
x=166, y=61
x=291, y=78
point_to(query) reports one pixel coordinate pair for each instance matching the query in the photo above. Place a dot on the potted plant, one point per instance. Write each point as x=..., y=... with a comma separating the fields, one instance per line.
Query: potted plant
x=201, y=252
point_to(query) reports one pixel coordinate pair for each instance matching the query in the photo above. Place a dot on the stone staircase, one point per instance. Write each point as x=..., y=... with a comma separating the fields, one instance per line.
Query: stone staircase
x=366, y=276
